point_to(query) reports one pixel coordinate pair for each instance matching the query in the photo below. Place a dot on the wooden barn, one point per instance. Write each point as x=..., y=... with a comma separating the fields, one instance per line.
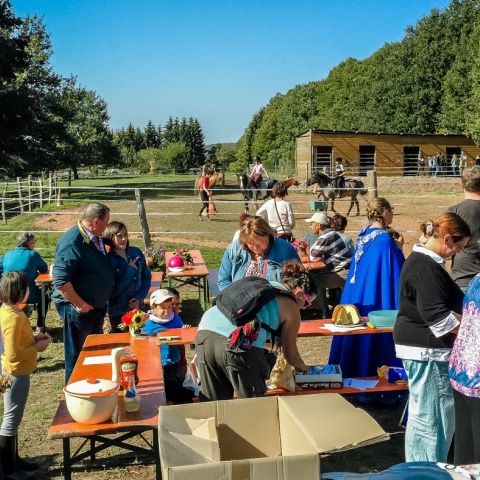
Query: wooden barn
x=389, y=154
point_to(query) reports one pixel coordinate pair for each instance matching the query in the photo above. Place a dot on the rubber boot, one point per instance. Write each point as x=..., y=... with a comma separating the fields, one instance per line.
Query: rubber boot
x=8, y=461
x=23, y=464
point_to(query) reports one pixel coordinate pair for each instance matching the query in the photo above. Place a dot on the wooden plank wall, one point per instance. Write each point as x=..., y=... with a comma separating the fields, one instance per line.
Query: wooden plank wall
x=388, y=149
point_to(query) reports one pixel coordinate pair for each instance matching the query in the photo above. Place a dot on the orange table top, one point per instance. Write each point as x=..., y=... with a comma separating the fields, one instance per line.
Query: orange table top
x=308, y=328
x=198, y=269
x=44, y=278
x=309, y=265
x=150, y=387
x=382, y=386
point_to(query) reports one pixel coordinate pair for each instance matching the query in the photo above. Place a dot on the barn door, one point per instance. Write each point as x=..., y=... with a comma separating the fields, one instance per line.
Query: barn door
x=367, y=159
x=322, y=159
x=410, y=158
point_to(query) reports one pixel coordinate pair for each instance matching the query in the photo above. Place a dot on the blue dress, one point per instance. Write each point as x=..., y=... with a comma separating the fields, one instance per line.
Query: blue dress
x=372, y=284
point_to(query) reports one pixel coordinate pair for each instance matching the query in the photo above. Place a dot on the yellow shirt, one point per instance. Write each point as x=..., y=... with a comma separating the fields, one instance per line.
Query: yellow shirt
x=19, y=353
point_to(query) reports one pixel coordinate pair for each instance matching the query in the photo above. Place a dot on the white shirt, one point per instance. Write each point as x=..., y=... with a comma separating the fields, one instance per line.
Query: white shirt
x=284, y=210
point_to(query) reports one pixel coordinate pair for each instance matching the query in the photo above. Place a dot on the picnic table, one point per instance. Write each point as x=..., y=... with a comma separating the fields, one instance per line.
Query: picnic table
x=311, y=264
x=308, y=328
x=195, y=274
x=123, y=426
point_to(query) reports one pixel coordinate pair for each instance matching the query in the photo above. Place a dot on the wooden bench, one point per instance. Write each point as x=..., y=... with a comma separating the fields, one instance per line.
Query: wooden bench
x=123, y=426
x=212, y=281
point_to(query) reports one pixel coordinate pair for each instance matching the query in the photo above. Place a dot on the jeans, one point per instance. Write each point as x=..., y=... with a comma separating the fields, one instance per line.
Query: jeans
x=76, y=328
x=431, y=414
x=15, y=399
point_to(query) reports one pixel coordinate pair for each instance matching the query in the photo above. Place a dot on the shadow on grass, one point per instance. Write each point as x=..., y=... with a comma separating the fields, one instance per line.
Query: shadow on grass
x=55, y=367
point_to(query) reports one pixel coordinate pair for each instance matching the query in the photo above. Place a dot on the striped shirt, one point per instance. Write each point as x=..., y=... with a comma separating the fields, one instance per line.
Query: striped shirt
x=331, y=248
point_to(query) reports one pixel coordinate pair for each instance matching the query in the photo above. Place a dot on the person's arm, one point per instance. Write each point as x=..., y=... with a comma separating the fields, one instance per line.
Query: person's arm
x=320, y=248
x=69, y=294
x=290, y=317
x=12, y=335
x=290, y=215
x=146, y=278
x=264, y=171
x=41, y=264
x=225, y=269
x=263, y=210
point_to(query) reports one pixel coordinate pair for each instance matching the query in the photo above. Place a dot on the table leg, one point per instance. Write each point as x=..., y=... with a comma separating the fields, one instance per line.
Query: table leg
x=67, y=466
x=43, y=303
x=156, y=450
x=92, y=449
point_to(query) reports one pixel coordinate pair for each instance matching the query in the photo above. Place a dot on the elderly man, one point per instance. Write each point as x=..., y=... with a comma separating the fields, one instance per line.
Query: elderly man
x=465, y=264
x=83, y=281
x=330, y=247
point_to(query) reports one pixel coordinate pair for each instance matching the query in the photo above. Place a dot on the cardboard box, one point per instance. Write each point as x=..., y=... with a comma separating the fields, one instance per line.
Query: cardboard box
x=312, y=375
x=275, y=438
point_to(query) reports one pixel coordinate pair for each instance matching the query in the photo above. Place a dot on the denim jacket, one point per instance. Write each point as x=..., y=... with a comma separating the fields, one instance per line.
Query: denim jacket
x=129, y=282
x=236, y=260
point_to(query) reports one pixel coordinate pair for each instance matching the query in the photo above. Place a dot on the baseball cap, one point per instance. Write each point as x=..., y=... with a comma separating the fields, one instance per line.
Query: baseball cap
x=159, y=296
x=320, y=218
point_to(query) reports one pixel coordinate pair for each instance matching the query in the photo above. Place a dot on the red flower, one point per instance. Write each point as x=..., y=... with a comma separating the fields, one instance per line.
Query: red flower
x=127, y=317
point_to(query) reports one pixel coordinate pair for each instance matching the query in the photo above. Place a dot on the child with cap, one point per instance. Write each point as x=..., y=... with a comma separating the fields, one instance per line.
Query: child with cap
x=162, y=316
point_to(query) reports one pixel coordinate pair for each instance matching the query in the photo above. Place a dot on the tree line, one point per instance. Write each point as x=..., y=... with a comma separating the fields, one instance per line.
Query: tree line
x=429, y=82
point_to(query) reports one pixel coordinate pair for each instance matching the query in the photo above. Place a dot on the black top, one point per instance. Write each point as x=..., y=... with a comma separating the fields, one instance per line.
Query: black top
x=428, y=295
x=466, y=264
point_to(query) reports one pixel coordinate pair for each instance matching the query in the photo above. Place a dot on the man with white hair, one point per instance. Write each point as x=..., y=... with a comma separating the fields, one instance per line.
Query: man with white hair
x=83, y=280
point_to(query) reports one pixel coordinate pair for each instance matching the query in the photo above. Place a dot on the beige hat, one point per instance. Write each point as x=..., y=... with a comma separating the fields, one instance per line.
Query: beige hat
x=320, y=218
x=159, y=296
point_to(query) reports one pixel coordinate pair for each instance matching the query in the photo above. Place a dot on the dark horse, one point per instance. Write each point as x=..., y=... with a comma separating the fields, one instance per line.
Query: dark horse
x=263, y=191
x=329, y=191
x=254, y=193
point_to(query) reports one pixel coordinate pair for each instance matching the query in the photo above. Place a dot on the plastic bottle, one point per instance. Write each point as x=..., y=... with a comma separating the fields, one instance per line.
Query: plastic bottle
x=131, y=398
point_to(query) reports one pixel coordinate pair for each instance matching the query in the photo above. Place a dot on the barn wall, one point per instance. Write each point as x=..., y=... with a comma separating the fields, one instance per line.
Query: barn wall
x=388, y=149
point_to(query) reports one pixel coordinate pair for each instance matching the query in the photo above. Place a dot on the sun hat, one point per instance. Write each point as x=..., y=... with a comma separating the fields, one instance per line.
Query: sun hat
x=159, y=296
x=320, y=218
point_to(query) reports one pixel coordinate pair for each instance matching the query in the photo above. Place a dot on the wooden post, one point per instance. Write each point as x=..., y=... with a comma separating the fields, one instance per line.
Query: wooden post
x=147, y=240
x=19, y=188
x=40, y=191
x=372, y=184
x=50, y=181
x=59, y=198
x=4, y=194
x=29, y=188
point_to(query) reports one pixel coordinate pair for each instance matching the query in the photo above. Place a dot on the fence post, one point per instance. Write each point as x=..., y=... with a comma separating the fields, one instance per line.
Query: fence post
x=147, y=240
x=59, y=197
x=29, y=189
x=50, y=180
x=372, y=184
x=4, y=194
x=40, y=191
x=19, y=188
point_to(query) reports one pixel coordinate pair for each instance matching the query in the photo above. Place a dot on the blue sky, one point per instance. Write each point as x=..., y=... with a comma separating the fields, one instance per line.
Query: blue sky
x=218, y=61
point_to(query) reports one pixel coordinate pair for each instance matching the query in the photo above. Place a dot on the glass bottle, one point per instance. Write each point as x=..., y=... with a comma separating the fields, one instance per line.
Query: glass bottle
x=131, y=398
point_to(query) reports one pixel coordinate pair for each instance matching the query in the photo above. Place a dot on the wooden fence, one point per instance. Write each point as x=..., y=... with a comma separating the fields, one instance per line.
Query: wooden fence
x=23, y=195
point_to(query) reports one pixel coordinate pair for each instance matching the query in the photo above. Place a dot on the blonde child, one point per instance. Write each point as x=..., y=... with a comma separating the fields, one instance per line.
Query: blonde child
x=19, y=360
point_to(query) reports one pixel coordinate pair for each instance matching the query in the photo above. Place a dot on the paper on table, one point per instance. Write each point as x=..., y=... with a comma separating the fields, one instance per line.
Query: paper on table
x=359, y=383
x=338, y=328
x=97, y=360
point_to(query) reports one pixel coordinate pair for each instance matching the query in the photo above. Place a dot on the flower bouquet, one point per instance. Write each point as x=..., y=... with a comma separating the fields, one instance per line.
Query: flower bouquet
x=183, y=252
x=155, y=258
x=301, y=247
x=135, y=320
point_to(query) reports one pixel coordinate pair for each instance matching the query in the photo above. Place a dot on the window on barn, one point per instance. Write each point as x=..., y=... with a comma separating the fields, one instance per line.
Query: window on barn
x=367, y=159
x=410, y=158
x=322, y=159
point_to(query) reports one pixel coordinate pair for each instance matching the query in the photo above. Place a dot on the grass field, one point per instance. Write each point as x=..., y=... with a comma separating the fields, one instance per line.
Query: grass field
x=173, y=215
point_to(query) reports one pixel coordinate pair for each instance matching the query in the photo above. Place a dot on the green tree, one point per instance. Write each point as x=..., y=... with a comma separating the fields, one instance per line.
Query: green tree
x=151, y=137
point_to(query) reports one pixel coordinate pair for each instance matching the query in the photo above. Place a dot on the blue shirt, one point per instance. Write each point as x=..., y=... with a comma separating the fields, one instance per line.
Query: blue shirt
x=23, y=259
x=170, y=355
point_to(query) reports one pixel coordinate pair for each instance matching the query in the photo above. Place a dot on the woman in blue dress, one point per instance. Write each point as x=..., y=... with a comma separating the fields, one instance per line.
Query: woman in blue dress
x=372, y=284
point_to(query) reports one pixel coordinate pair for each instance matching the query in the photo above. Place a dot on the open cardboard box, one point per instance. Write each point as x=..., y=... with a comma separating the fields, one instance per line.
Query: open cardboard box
x=260, y=438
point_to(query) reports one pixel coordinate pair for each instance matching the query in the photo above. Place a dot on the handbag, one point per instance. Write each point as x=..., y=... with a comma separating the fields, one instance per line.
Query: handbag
x=282, y=375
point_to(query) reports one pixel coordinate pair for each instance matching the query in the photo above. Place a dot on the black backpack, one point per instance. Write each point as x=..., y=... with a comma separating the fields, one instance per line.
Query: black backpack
x=242, y=300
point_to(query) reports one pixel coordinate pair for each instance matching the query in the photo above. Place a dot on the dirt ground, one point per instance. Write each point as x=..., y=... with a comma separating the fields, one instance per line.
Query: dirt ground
x=174, y=216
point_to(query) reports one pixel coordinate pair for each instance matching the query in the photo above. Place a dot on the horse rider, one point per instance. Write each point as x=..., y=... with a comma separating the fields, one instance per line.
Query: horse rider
x=257, y=170
x=339, y=178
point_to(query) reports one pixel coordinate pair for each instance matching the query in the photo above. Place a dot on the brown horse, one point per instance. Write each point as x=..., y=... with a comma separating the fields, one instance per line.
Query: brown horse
x=215, y=178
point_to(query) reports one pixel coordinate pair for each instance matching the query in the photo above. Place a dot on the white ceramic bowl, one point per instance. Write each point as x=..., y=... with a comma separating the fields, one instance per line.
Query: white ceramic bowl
x=91, y=401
